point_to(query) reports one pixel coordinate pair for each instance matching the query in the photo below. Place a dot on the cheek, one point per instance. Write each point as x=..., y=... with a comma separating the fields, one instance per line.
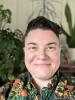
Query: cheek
x=29, y=57
x=55, y=57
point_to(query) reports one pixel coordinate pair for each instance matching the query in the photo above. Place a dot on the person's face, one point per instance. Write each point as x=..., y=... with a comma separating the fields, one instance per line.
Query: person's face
x=42, y=53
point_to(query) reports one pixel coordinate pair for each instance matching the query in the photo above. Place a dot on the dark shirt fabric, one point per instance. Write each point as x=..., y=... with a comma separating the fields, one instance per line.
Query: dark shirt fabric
x=22, y=88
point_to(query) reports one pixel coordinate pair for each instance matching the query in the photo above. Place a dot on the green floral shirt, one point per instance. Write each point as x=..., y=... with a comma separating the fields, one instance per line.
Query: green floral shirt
x=61, y=88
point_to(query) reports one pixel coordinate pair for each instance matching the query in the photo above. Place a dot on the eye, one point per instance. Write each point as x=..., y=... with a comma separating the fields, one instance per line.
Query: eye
x=33, y=48
x=51, y=48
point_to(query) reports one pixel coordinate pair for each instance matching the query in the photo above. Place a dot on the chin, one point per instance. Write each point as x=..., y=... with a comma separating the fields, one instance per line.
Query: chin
x=44, y=76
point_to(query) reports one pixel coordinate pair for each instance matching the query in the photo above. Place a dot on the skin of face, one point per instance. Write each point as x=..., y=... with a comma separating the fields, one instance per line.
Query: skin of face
x=42, y=53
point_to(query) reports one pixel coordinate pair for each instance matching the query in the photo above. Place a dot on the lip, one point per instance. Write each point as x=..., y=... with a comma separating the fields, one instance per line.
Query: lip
x=42, y=64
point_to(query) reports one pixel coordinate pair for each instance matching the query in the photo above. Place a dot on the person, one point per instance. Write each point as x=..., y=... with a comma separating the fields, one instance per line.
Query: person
x=42, y=81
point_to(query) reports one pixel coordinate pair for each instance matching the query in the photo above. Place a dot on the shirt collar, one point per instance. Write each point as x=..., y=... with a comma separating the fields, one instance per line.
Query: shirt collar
x=54, y=81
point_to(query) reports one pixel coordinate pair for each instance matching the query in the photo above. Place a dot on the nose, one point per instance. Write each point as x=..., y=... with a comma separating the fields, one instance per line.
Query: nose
x=42, y=55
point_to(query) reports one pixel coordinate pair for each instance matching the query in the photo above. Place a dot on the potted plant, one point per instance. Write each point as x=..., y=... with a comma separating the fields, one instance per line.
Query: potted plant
x=71, y=36
x=11, y=44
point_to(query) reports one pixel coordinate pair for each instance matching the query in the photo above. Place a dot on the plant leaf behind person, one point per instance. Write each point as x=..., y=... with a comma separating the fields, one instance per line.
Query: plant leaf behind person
x=5, y=16
x=11, y=48
x=70, y=38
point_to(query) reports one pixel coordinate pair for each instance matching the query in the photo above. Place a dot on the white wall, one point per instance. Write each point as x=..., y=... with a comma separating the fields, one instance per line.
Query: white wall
x=25, y=10
x=28, y=9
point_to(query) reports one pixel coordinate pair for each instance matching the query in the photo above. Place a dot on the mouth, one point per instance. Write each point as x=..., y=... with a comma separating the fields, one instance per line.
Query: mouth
x=42, y=65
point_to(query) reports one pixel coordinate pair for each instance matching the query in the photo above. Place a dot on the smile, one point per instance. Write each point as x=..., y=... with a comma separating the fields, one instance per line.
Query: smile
x=42, y=64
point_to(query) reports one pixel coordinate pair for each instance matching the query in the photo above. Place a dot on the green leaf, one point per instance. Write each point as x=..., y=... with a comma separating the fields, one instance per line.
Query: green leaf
x=68, y=16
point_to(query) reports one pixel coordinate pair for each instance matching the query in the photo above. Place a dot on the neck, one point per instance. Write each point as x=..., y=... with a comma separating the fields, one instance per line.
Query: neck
x=39, y=84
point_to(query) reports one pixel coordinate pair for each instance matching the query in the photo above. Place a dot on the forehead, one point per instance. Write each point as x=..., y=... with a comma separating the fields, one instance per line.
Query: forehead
x=41, y=36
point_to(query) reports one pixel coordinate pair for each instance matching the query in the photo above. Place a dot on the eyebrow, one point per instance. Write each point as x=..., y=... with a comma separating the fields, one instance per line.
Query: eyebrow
x=32, y=43
x=52, y=43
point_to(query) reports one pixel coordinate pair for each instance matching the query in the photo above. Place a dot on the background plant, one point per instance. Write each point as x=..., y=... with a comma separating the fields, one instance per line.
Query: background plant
x=11, y=48
x=70, y=37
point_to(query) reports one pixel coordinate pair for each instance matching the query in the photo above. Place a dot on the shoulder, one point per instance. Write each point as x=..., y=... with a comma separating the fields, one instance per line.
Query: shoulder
x=66, y=87
x=4, y=90
x=20, y=81
x=16, y=84
x=70, y=79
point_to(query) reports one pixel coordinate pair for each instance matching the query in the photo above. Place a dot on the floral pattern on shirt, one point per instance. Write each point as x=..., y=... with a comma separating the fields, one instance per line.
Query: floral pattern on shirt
x=61, y=88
